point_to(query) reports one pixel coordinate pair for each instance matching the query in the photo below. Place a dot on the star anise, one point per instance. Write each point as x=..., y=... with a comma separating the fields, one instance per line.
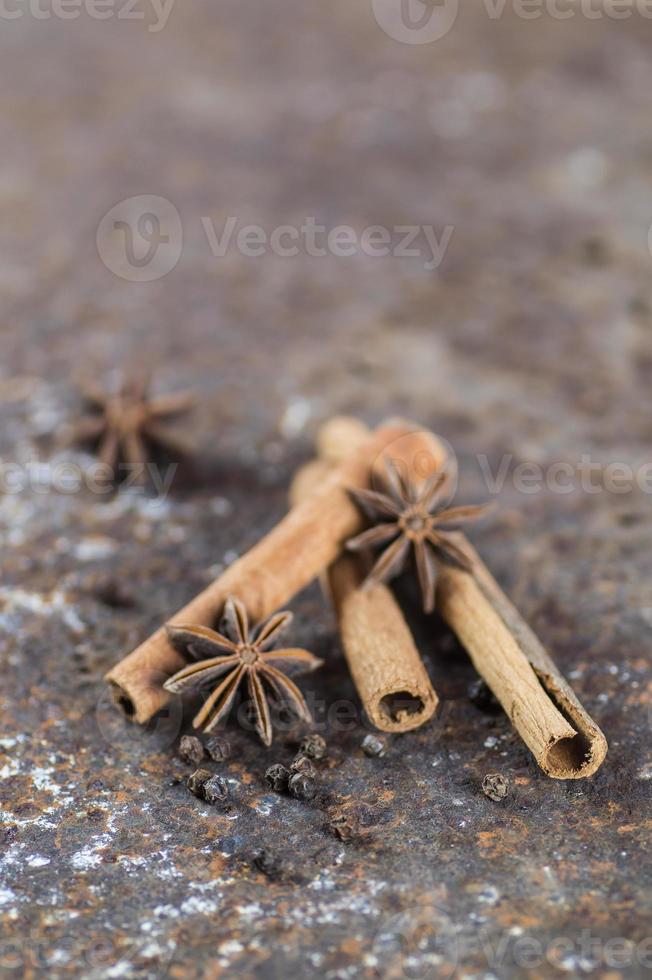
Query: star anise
x=236, y=654
x=417, y=517
x=127, y=423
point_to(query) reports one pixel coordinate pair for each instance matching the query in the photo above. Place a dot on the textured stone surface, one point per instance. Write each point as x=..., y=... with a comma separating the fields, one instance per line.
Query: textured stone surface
x=531, y=341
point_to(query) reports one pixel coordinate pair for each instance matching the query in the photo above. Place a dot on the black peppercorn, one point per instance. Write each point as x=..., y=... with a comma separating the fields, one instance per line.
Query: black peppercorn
x=480, y=694
x=313, y=746
x=267, y=862
x=373, y=746
x=277, y=777
x=302, y=786
x=215, y=790
x=218, y=747
x=197, y=781
x=343, y=826
x=191, y=750
x=495, y=786
x=302, y=764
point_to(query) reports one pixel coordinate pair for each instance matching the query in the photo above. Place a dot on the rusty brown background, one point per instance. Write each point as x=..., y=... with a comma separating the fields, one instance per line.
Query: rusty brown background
x=531, y=341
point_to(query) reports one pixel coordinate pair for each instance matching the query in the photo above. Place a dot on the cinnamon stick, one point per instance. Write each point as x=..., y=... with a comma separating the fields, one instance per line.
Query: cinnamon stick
x=386, y=668
x=541, y=705
x=304, y=542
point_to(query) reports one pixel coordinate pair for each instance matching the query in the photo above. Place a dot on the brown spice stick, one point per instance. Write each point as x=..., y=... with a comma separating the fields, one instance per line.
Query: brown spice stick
x=385, y=665
x=305, y=542
x=541, y=705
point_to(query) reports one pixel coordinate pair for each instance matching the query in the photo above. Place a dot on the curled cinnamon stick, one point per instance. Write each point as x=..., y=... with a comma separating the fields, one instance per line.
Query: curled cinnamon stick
x=301, y=545
x=386, y=668
x=541, y=705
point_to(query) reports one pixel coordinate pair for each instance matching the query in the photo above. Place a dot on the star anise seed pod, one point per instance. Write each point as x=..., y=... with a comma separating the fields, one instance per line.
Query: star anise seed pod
x=236, y=654
x=128, y=422
x=411, y=516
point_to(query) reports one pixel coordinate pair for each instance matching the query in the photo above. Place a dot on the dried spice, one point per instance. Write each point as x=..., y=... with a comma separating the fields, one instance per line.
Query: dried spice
x=243, y=654
x=290, y=556
x=414, y=517
x=302, y=786
x=373, y=746
x=196, y=782
x=269, y=863
x=343, y=825
x=190, y=750
x=313, y=746
x=376, y=639
x=128, y=423
x=481, y=695
x=277, y=777
x=495, y=786
x=216, y=790
x=302, y=764
x=218, y=747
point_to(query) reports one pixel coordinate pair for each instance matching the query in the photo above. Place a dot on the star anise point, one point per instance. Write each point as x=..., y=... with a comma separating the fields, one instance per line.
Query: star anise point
x=235, y=653
x=413, y=517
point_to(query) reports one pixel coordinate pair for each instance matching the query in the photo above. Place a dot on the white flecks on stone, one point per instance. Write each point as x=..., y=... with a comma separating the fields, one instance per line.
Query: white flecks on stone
x=249, y=912
x=489, y=895
x=166, y=912
x=16, y=601
x=230, y=947
x=297, y=412
x=490, y=742
x=90, y=855
x=197, y=905
x=37, y=861
x=121, y=969
x=95, y=547
x=7, y=896
x=221, y=506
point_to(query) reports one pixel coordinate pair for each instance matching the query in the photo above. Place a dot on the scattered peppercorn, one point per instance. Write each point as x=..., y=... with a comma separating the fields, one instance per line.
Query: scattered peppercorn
x=215, y=790
x=196, y=782
x=191, y=750
x=218, y=747
x=267, y=862
x=495, y=786
x=313, y=746
x=342, y=826
x=373, y=746
x=481, y=695
x=277, y=777
x=302, y=786
x=302, y=764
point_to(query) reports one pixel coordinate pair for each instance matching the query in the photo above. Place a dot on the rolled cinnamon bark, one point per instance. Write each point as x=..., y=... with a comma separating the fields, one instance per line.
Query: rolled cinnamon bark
x=386, y=668
x=304, y=543
x=541, y=705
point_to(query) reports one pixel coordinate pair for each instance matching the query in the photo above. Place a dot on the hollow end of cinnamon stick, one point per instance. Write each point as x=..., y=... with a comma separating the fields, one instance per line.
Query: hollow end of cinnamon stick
x=385, y=665
x=576, y=756
x=540, y=703
x=388, y=673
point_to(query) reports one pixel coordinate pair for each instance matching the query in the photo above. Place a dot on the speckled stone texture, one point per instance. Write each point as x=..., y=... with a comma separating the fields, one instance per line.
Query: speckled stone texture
x=530, y=342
